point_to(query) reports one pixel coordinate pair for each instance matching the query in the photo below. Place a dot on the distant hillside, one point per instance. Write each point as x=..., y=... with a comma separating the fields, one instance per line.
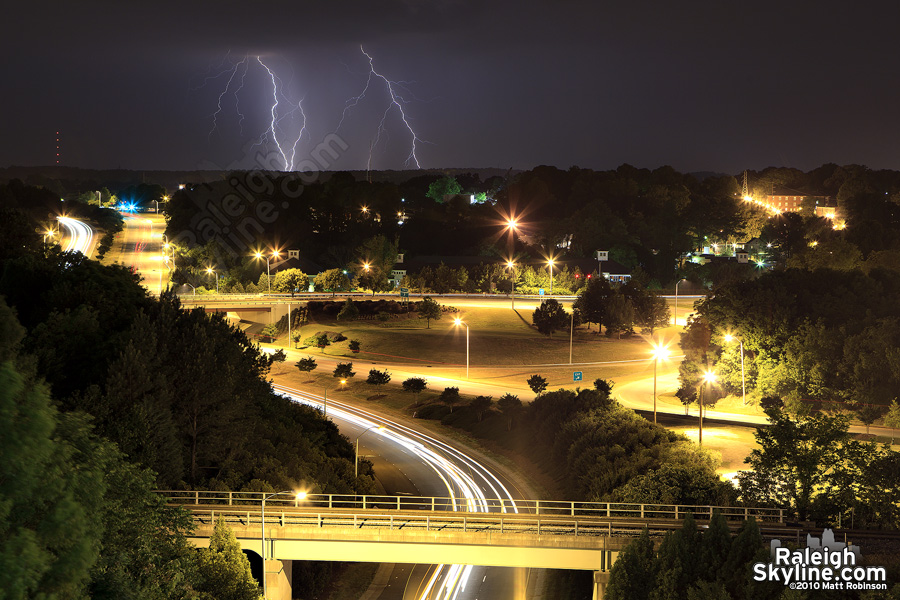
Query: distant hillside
x=68, y=180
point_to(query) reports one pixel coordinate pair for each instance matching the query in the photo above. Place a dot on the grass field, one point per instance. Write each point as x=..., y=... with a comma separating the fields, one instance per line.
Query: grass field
x=497, y=336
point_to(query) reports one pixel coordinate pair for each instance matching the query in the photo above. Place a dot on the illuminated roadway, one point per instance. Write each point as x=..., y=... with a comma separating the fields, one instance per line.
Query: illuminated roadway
x=79, y=235
x=411, y=463
x=140, y=246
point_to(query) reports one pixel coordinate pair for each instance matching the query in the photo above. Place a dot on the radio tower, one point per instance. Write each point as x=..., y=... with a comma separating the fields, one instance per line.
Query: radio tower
x=57, y=147
x=745, y=191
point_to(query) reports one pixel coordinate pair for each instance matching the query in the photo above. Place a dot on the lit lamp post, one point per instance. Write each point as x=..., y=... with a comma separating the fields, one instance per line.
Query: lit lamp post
x=356, y=461
x=298, y=496
x=675, y=314
x=259, y=256
x=660, y=352
x=730, y=338
x=457, y=321
x=512, y=266
x=48, y=234
x=210, y=271
x=550, y=262
x=709, y=378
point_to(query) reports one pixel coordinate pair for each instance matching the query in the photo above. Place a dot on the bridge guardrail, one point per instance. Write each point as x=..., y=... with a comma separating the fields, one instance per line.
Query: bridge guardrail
x=445, y=504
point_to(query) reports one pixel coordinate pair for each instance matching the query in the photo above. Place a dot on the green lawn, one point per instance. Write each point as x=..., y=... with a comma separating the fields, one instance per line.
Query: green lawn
x=497, y=336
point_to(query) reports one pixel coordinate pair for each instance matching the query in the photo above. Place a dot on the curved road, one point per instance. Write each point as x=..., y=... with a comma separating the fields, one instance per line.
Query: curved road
x=408, y=462
x=79, y=235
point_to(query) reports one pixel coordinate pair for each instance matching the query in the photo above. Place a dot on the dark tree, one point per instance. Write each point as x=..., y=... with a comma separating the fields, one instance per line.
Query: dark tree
x=480, y=404
x=344, y=370
x=377, y=377
x=429, y=310
x=549, y=317
x=511, y=407
x=415, y=385
x=450, y=396
x=306, y=364
x=537, y=384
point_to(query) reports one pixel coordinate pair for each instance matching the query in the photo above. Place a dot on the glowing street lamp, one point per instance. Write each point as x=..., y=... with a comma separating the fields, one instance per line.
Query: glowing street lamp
x=660, y=352
x=730, y=338
x=259, y=256
x=210, y=271
x=550, y=262
x=356, y=461
x=457, y=321
x=298, y=496
x=511, y=265
x=675, y=315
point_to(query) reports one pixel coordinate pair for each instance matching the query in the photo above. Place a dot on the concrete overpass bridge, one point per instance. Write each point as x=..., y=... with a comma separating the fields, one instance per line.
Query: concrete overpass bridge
x=404, y=529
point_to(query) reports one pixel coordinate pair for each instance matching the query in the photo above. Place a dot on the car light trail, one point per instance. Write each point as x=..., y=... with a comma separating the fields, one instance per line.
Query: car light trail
x=80, y=235
x=459, y=472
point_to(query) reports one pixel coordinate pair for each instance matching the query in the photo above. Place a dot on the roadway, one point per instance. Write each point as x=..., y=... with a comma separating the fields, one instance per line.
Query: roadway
x=140, y=246
x=79, y=236
x=410, y=463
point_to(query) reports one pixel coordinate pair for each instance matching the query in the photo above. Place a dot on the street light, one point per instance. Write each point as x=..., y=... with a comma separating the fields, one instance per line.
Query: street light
x=212, y=272
x=660, y=352
x=730, y=338
x=511, y=265
x=356, y=461
x=457, y=321
x=298, y=496
x=260, y=255
x=708, y=378
x=675, y=314
x=550, y=262
x=48, y=233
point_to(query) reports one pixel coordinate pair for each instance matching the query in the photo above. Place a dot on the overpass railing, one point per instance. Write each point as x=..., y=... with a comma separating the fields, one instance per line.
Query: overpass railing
x=566, y=508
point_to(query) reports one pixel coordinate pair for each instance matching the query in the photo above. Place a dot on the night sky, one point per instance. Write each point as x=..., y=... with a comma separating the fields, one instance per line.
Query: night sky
x=702, y=86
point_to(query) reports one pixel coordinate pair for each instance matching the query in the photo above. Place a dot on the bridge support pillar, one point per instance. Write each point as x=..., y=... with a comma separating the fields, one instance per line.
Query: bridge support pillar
x=601, y=578
x=278, y=579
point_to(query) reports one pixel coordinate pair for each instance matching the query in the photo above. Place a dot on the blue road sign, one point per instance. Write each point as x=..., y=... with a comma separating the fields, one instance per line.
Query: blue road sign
x=541, y=292
x=576, y=376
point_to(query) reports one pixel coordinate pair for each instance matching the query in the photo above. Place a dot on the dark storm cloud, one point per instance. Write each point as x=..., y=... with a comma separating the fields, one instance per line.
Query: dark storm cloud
x=700, y=85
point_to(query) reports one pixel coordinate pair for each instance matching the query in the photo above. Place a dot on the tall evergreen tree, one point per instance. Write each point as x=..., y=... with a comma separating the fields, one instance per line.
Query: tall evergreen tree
x=225, y=568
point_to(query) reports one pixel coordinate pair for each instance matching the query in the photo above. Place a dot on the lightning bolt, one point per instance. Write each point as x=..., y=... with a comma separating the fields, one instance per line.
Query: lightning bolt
x=234, y=70
x=275, y=120
x=396, y=101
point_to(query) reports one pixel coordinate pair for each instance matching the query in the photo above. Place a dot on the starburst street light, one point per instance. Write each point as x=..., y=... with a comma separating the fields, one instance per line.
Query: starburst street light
x=660, y=352
x=260, y=256
x=211, y=271
x=457, y=321
x=550, y=262
x=512, y=266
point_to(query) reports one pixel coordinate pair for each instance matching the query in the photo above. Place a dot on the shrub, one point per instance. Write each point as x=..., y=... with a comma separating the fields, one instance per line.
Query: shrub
x=344, y=370
x=415, y=385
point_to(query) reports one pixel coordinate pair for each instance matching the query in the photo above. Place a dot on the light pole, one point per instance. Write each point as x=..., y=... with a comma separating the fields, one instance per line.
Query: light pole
x=457, y=321
x=157, y=206
x=49, y=233
x=260, y=255
x=193, y=289
x=659, y=352
x=210, y=271
x=730, y=338
x=356, y=461
x=550, y=262
x=675, y=313
x=298, y=496
x=708, y=378
x=511, y=265
x=571, y=332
